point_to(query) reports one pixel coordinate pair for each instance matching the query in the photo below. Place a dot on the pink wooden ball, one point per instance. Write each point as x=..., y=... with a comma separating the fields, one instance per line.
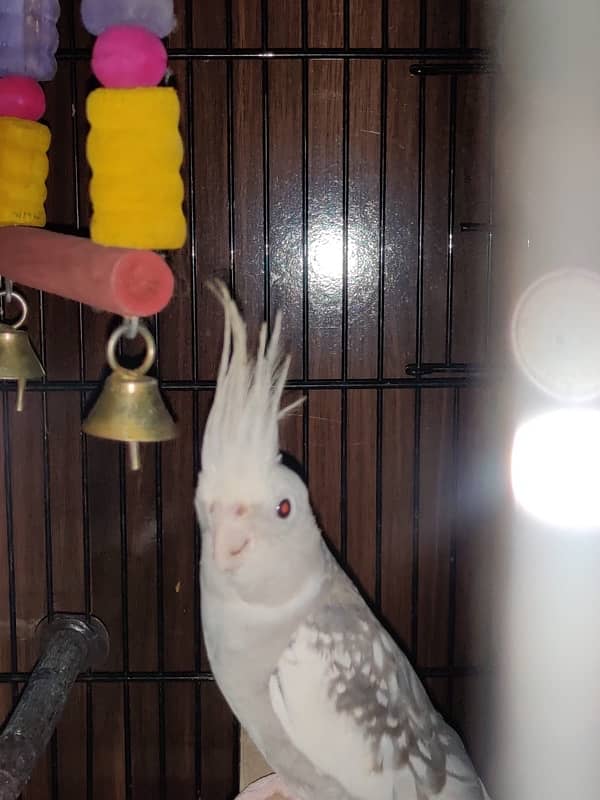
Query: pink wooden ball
x=127, y=57
x=21, y=97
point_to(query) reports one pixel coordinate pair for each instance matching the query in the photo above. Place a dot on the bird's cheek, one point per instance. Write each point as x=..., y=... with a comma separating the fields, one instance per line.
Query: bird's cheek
x=230, y=544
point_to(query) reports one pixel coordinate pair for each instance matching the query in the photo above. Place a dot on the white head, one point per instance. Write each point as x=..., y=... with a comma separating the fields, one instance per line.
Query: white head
x=259, y=537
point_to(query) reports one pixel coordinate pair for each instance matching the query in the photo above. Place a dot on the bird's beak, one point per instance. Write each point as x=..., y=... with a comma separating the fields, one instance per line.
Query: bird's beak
x=230, y=536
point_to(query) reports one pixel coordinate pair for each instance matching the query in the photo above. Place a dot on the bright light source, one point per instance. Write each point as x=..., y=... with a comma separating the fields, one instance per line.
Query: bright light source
x=556, y=468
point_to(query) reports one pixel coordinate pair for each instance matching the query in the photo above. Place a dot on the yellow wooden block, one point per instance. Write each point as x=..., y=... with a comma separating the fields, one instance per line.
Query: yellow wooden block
x=23, y=171
x=135, y=152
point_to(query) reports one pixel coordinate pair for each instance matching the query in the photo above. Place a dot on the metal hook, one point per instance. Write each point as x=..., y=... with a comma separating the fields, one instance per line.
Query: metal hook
x=7, y=286
x=131, y=326
x=143, y=331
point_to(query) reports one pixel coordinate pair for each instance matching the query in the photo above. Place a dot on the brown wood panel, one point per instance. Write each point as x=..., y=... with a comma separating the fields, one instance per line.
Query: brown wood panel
x=62, y=352
x=285, y=23
x=72, y=774
x=364, y=217
x=439, y=692
x=435, y=234
x=435, y=525
x=105, y=537
x=472, y=711
x=285, y=207
x=6, y=646
x=61, y=357
x=325, y=218
x=29, y=530
x=178, y=531
x=443, y=23
x=65, y=501
x=218, y=736
x=292, y=428
x=366, y=23
x=483, y=19
x=145, y=761
x=97, y=328
x=324, y=459
x=397, y=476
x=6, y=701
x=141, y=563
x=209, y=23
x=40, y=785
x=248, y=188
x=109, y=742
x=246, y=19
x=71, y=30
x=361, y=477
x=65, y=21
x=401, y=220
x=325, y=23
x=404, y=23
x=472, y=204
x=175, y=322
x=180, y=739
x=82, y=83
x=212, y=211
x=60, y=204
x=183, y=31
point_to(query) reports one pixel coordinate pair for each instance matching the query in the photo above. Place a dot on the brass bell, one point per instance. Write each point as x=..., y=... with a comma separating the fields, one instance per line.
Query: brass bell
x=130, y=408
x=18, y=361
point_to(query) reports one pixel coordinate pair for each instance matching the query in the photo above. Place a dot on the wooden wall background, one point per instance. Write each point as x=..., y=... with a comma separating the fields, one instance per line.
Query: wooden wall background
x=332, y=182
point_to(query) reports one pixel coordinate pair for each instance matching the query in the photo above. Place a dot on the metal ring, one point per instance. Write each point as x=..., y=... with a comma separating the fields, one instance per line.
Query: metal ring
x=20, y=299
x=150, y=349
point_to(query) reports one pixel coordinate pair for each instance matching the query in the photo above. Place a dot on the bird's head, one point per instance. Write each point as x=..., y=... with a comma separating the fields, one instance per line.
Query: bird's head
x=259, y=536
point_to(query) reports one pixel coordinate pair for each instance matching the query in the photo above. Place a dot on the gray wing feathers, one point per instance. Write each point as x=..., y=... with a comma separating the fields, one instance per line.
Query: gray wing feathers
x=373, y=681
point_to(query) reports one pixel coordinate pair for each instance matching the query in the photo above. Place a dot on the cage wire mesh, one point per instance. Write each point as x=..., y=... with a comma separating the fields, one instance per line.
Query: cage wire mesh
x=365, y=122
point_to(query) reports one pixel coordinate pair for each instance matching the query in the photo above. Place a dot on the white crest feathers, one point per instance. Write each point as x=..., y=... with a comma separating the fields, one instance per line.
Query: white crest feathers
x=243, y=420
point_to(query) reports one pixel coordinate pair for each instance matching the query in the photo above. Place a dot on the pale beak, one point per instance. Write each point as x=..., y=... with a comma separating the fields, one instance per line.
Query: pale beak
x=230, y=535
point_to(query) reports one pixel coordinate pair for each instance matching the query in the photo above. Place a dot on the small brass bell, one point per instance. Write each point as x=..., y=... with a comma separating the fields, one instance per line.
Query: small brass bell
x=18, y=361
x=130, y=408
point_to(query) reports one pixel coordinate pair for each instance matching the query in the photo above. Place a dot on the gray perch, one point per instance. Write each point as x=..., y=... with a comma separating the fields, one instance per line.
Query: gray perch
x=70, y=645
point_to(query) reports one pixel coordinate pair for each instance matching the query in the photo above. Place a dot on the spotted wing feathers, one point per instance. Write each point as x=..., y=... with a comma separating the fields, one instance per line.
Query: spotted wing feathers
x=350, y=701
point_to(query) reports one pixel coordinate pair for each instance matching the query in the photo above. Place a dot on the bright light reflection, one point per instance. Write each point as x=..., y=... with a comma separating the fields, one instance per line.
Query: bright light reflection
x=556, y=468
x=326, y=256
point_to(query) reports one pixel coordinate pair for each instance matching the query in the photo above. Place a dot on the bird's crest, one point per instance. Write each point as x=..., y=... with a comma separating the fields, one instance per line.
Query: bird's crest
x=243, y=421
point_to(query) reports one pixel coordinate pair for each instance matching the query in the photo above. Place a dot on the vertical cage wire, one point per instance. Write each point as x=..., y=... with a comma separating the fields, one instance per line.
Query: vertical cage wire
x=383, y=123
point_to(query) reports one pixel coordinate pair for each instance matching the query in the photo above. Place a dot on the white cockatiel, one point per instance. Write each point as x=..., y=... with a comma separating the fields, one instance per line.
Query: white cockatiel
x=329, y=699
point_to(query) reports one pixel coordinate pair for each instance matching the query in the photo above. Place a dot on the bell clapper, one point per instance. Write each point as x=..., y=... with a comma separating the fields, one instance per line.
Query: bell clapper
x=134, y=456
x=21, y=386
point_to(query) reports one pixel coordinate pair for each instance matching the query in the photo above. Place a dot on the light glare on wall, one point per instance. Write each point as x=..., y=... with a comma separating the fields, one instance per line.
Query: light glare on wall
x=555, y=468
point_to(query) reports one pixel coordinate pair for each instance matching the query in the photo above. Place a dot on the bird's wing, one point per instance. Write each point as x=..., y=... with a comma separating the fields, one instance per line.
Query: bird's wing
x=351, y=703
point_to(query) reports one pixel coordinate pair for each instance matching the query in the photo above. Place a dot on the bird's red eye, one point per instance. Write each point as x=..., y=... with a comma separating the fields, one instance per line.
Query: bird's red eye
x=284, y=509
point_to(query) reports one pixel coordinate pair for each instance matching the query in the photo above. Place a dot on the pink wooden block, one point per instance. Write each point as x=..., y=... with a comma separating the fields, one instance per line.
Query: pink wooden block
x=127, y=57
x=21, y=97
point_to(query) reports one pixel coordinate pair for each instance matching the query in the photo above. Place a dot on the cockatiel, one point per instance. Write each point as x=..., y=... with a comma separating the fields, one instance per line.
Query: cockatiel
x=328, y=698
